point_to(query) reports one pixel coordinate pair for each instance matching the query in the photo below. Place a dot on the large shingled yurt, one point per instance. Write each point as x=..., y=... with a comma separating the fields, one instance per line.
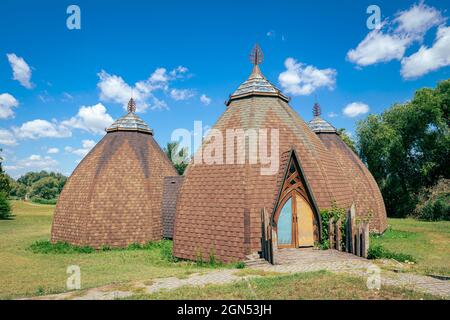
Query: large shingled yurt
x=220, y=204
x=114, y=197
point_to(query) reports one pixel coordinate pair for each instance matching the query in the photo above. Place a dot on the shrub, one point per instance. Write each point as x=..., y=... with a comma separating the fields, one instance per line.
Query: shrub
x=333, y=213
x=45, y=246
x=43, y=201
x=5, y=207
x=434, y=203
x=379, y=252
x=240, y=265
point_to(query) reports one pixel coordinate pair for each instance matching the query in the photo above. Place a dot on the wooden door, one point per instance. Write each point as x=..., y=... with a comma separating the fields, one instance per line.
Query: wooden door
x=305, y=224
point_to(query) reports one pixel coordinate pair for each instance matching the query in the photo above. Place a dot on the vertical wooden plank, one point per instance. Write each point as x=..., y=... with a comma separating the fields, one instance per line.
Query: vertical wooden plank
x=331, y=233
x=338, y=235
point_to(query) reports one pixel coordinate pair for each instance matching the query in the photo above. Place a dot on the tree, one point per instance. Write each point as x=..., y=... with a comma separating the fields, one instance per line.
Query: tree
x=177, y=155
x=5, y=207
x=4, y=179
x=407, y=147
x=47, y=188
x=347, y=139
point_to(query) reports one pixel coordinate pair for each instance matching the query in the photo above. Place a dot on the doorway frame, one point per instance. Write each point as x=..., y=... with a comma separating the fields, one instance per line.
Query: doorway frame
x=285, y=193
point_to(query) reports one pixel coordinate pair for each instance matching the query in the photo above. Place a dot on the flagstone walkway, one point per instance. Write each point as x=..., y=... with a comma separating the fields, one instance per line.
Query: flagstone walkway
x=289, y=261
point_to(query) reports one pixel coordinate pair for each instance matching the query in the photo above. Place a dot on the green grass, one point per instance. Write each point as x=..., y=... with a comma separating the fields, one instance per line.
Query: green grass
x=24, y=273
x=427, y=242
x=310, y=285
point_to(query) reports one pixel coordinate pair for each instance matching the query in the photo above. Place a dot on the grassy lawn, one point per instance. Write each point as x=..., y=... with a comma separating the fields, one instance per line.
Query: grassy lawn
x=311, y=285
x=427, y=242
x=23, y=273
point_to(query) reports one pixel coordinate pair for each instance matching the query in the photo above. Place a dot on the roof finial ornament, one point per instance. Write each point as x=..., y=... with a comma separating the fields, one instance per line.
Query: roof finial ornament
x=316, y=108
x=256, y=56
x=131, y=106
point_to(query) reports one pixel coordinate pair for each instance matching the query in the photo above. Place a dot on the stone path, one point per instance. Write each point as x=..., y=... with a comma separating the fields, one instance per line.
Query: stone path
x=289, y=261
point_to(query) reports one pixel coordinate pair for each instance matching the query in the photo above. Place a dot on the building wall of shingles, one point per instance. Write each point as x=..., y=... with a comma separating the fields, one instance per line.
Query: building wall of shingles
x=367, y=196
x=215, y=199
x=171, y=190
x=114, y=196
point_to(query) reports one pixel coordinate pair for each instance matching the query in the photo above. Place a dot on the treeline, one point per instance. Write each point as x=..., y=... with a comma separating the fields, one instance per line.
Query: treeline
x=41, y=187
x=407, y=149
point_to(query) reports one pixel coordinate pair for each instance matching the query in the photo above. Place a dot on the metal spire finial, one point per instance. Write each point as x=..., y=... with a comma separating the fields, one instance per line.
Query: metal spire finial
x=131, y=106
x=316, y=109
x=256, y=56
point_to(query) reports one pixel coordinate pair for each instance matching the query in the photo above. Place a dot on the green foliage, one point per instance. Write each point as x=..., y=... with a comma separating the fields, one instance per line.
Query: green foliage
x=407, y=147
x=45, y=246
x=334, y=213
x=5, y=207
x=434, y=203
x=41, y=187
x=240, y=265
x=347, y=139
x=43, y=201
x=379, y=252
x=5, y=186
x=178, y=156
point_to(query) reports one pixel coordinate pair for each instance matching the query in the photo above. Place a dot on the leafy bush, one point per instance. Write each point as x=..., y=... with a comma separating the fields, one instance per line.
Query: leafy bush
x=434, y=203
x=240, y=265
x=45, y=246
x=333, y=213
x=5, y=207
x=43, y=201
x=379, y=252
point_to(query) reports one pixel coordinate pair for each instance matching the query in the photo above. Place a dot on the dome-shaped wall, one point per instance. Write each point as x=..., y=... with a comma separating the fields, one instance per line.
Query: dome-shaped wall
x=114, y=196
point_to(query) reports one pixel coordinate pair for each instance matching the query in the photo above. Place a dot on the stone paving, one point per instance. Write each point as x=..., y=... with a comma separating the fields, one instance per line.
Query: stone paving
x=288, y=261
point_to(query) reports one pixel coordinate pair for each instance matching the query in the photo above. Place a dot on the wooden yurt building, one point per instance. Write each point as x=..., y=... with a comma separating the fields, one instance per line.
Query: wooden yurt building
x=115, y=195
x=219, y=206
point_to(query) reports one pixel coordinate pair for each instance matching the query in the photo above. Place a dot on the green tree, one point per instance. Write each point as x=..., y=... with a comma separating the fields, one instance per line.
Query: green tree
x=4, y=179
x=5, y=207
x=347, y=139
x=177, y=155
x=407, y=147
x=47, y=188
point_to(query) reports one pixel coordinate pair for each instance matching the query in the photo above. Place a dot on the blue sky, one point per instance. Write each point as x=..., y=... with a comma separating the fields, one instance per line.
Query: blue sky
x=59, y=88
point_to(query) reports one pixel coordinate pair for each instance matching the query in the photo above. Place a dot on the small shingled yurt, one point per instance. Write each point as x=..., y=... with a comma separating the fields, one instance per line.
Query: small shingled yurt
x=220, y=204
x=115, y=195
x=366, y=193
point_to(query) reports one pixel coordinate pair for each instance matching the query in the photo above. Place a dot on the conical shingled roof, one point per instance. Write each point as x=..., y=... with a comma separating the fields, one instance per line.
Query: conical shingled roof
x=130, y=121
x=219, y=206
x=114, y=196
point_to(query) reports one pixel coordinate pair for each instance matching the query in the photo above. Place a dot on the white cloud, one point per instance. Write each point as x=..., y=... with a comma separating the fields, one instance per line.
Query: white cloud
x=355, y=109
x=34, y=162
x=332, y=114
x=7, y=138
x=379, y=47
x=181, y=94
x=52, y=150
x=427, y=59
x=21, y=70
x=205, y=99
x=38, y=128
x=114, y=89
x=93, y=119
x=396, y=36
x=87, y=146
x=300, y=79
x=418, y=19
x=7, y=102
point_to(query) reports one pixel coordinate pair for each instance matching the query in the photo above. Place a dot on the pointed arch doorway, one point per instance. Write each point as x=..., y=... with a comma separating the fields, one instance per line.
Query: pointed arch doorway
x=296, y=217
